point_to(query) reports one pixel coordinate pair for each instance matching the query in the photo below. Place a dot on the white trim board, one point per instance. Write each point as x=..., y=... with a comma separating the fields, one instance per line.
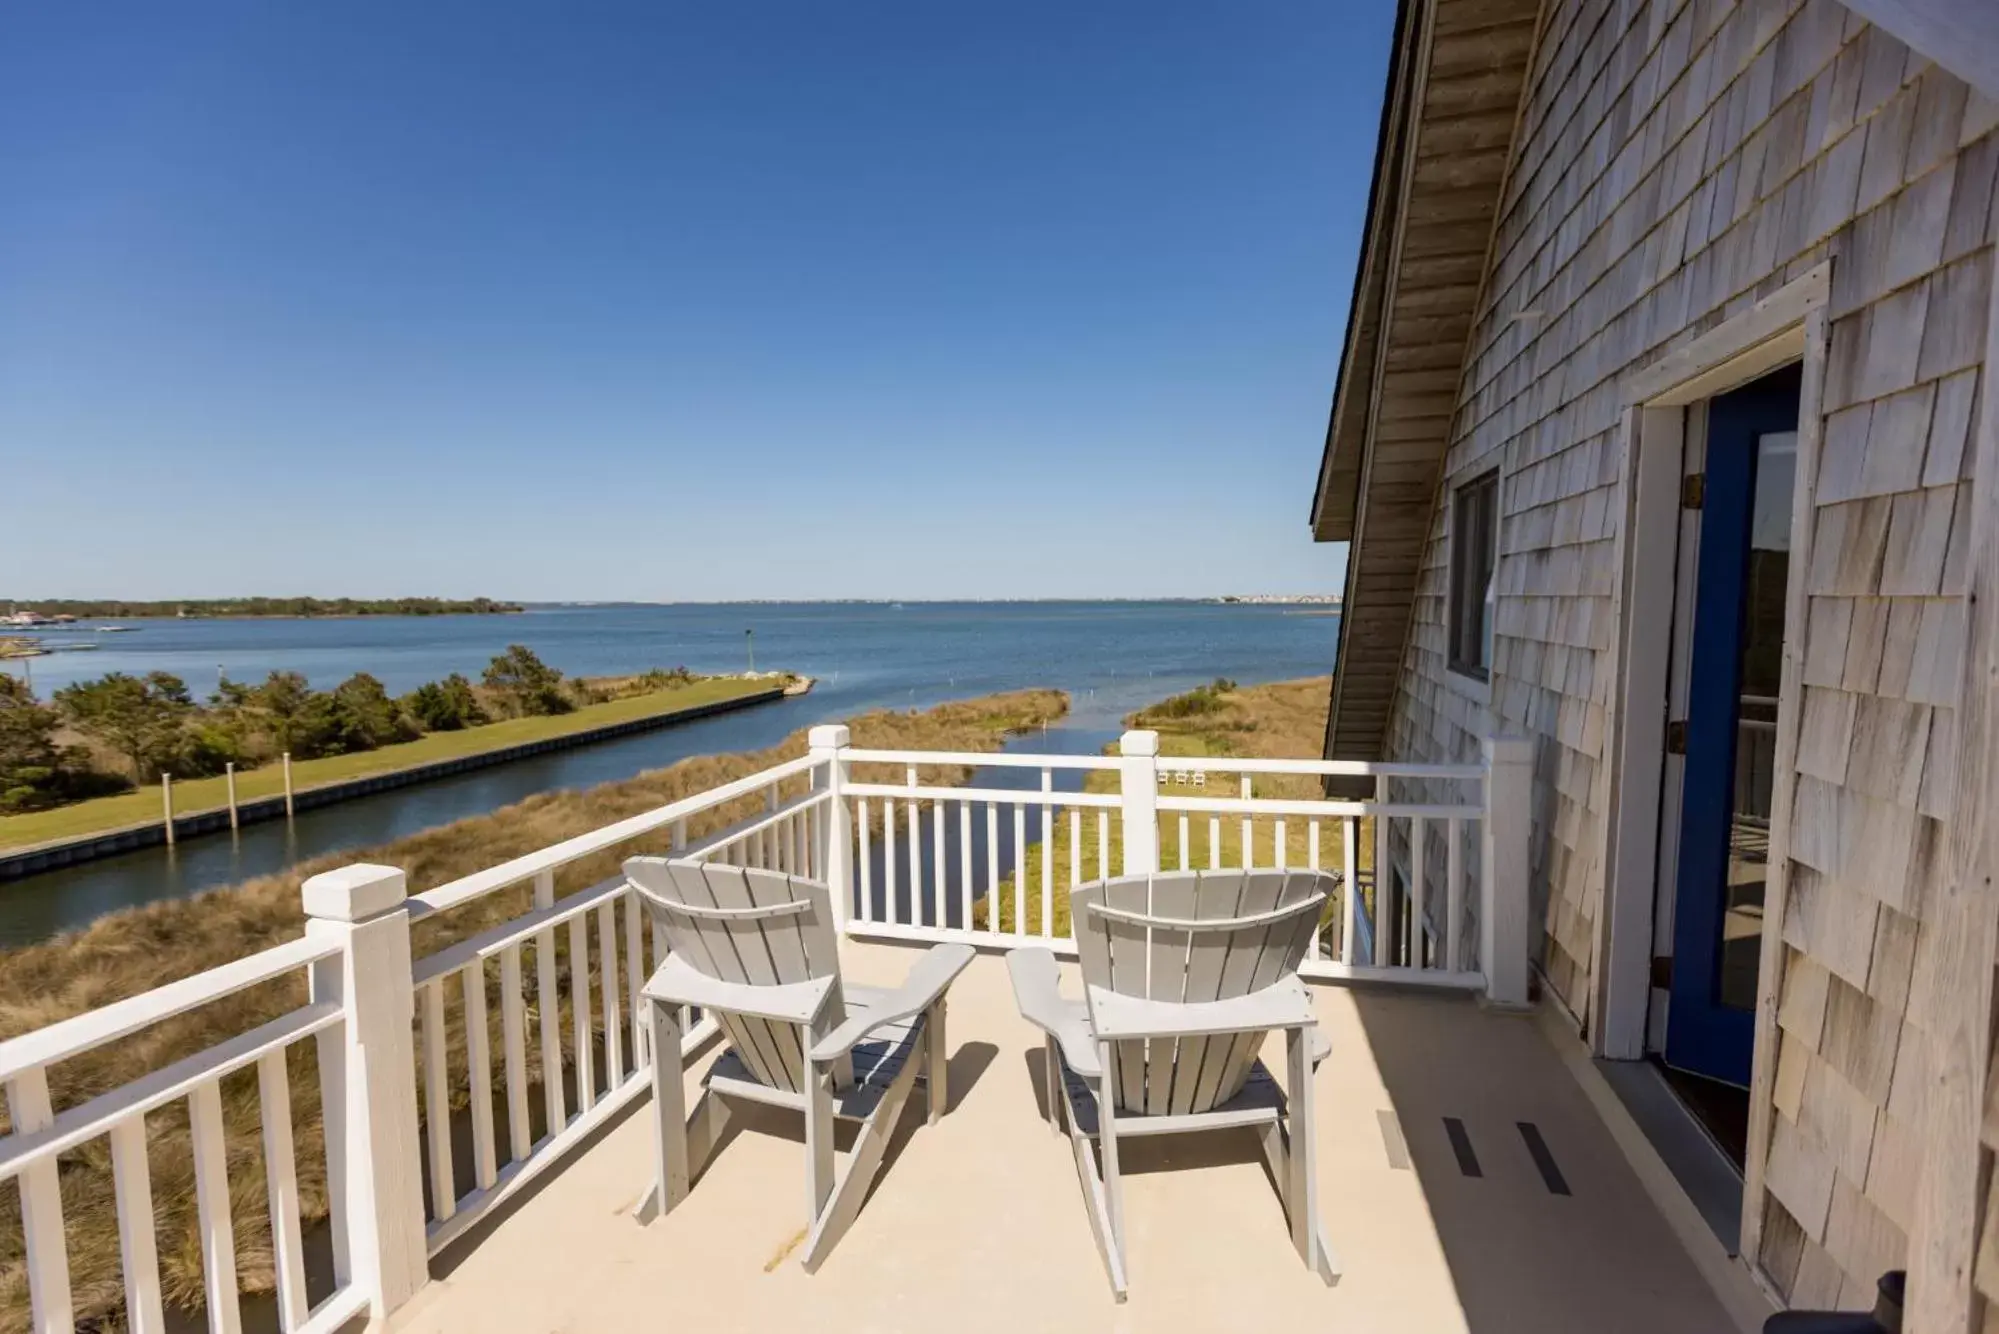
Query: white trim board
x=1787, y=326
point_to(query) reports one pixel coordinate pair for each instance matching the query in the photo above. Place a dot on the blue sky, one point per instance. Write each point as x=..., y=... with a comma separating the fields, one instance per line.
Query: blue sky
x=701, y=302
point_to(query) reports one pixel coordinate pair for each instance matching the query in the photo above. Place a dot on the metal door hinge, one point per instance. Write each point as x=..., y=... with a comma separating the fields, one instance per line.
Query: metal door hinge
x=1676, y=737
x=1693, y=490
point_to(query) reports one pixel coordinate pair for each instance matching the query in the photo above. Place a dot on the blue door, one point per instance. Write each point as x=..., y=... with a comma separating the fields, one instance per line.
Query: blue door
x=1731, y=725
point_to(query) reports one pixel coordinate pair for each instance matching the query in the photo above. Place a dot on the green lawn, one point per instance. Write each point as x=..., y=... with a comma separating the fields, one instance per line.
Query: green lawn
x=202, y=794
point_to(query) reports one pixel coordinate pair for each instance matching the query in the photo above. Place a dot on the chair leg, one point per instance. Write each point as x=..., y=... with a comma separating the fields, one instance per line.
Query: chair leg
x=818, y=1139
x=1095, y=1204
x=1058, y=1095
x=671, y=1177
x=862, y=1165
x=936, y=1063
x=1301, y=1189
x=1108, y=1146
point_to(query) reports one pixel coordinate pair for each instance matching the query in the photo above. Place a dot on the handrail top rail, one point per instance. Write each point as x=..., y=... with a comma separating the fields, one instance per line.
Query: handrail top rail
x=1324, y=809
x=1323, y=768
x=980, y=759
x=71, y=1037
x=1021, y=796
x=557, y=855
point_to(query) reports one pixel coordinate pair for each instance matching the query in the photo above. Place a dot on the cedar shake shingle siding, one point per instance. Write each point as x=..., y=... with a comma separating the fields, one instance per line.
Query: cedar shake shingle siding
x=1675, y=161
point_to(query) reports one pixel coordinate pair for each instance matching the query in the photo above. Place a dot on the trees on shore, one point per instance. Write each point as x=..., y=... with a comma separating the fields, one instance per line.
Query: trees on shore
x=120, y=729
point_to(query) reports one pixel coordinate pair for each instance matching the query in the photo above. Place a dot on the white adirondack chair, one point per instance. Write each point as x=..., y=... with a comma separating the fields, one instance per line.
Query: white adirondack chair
x=757, y=949
x=1184, y=973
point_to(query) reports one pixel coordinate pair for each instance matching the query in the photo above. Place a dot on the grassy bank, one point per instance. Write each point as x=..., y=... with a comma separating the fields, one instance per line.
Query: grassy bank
x=129, y=952
x=1282, y=720
x=103, y=814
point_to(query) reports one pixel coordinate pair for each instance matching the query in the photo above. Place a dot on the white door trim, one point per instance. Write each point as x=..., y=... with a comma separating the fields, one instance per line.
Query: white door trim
x=1787, y=326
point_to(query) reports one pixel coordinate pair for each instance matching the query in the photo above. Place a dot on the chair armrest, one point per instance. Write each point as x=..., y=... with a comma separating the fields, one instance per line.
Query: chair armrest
x=677, y=982
x=1322, y=1044
x=925, y=982
x=1037, y=991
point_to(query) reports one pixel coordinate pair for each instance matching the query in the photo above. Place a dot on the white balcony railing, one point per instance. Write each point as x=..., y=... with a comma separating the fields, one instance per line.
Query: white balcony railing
x=426, y=1133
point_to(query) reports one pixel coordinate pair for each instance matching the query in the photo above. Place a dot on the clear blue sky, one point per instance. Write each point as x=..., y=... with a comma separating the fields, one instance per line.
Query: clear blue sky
x=727, y=300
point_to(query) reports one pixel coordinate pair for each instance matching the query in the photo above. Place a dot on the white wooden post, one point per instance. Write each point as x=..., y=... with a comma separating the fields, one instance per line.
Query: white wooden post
x=288, y=785
x=167, y=806
x=828, y=745
x=368, y=1083
x=1138, y=776
x=1503, y=901
x=229, y=770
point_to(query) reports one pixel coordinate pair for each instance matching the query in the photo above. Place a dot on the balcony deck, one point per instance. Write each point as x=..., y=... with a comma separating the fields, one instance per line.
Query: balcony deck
x=976, y=1223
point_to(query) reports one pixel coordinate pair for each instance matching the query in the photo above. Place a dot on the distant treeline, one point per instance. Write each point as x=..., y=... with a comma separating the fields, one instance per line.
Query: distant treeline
x=269, y=607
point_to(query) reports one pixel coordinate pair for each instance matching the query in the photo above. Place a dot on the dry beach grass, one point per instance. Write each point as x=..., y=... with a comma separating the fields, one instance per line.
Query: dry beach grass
x=130, y=952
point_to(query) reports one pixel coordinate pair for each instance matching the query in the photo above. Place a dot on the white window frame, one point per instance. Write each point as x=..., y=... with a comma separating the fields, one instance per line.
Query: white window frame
x=1467, y=676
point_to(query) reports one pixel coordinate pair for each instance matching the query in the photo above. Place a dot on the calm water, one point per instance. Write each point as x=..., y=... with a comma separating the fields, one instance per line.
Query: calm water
x=1111, y=657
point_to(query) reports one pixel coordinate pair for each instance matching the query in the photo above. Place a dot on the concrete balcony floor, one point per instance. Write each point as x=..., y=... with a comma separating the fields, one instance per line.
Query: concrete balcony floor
x=977, y=1223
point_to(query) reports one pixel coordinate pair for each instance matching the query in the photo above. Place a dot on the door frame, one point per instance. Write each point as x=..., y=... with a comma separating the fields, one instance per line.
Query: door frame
x=1786, y=326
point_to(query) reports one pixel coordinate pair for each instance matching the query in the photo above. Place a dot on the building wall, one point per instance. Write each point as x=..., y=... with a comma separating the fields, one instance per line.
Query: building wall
x=1676, y=161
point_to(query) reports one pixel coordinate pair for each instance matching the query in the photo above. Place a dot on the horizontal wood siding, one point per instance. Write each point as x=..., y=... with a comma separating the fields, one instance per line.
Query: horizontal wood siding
x=1676, y=161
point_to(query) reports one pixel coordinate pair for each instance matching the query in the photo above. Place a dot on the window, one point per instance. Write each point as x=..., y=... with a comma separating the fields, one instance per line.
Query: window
x=1474, y=558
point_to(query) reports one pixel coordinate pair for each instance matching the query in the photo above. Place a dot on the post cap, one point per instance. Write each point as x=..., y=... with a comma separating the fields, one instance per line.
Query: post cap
x=828, y=736
x=1138, y=743
x=1508, y=749
x=354, y=893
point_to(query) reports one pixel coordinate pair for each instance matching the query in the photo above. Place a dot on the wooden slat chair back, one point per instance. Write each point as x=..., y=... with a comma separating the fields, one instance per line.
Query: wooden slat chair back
x=757, y=927
x=1192, y=936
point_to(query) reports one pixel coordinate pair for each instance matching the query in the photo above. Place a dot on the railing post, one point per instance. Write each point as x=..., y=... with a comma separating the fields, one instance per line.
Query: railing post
x=1503, y=924
x=367, y=1071
x=1138, y=776
x=828, y=745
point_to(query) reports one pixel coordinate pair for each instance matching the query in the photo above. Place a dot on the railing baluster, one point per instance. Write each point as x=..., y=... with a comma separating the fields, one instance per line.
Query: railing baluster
x=1184, y=830
x=281, y=1185
x=914, y=895
x=891, y=896
x=1384, y=890
x=1248, y=838
x=1047, y=853
x=514, y=1053
x=635, y=979
x=614, y=1022
x=138, y=1245
x=1075, y=852
x=579, y=1009
x=1214, y=842
x=1019, y=869
x=965, y=865
x=211, y=1202
x=1454, y=895
x=914, y=898
x=479, y=1064
x=549, y=1002
x=992, y=867
x=936, y=896
x=437, y=1104
x=867, y=876
x=1416, y=889
x=1350, y=907
x=1104, y=871
x=1282, y=851
x=1312, y=858
x=29, y=1110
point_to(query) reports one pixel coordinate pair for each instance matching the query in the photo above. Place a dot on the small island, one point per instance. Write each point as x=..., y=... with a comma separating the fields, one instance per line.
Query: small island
x=46, y=611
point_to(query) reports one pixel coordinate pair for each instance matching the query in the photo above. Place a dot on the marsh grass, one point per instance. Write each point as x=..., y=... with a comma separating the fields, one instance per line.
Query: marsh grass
x=1282, y=720
x=130, y=952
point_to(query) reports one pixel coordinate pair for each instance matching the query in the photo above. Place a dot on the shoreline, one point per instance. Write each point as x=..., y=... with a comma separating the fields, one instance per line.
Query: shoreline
x=20, y=863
